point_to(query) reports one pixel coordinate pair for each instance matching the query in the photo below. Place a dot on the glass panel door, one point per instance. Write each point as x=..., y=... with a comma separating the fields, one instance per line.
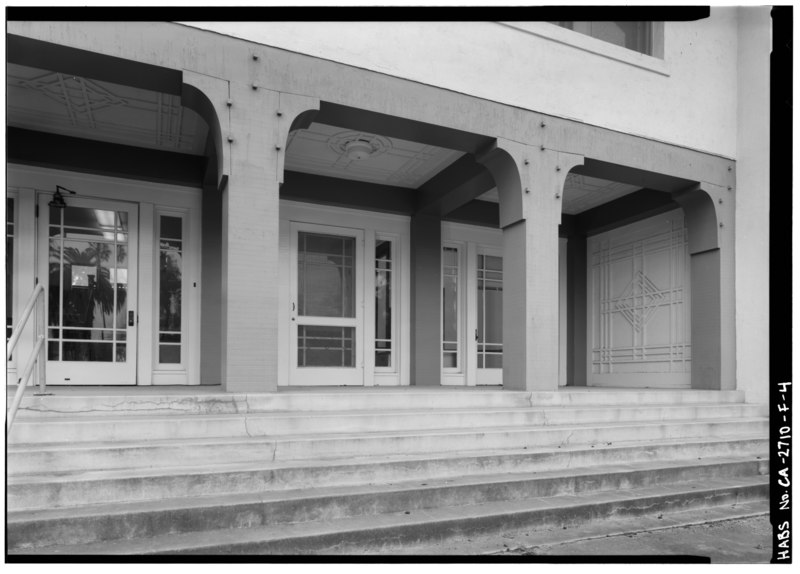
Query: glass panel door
x=327, y=306
x=489, y=332
x=88, y=263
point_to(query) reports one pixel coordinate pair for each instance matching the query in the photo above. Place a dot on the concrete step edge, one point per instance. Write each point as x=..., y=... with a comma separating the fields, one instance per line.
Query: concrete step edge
x=31, y=447
x=322, y=493
x=446, y=519
x=756, y=446
x=81, y=418
x=510, y=543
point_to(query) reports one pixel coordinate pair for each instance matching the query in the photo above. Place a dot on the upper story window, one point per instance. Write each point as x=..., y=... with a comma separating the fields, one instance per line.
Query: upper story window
x=636, y=36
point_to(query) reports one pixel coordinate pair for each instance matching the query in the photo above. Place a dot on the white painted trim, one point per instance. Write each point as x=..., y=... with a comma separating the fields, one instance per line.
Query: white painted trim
x=485, y=376
x=187, y=372
x=388, y=375
x=103, y=187
x=194, y=326
x=454, y=375
x=319, y=376
x=33, y=180
x=471, y=240
x=148, y=321
x=13, y=193
x=470, y=311
x=368, y=311
x=61, y=372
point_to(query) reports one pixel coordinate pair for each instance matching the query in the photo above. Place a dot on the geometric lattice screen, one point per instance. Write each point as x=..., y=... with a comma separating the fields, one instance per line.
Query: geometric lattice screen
x=639, y=305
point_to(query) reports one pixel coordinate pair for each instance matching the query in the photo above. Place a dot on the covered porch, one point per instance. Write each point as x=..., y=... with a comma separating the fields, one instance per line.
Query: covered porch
x=471, y=236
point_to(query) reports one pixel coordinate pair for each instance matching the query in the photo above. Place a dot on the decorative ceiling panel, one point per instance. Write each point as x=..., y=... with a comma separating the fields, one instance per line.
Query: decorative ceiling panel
x=322, y=150
x=74, y=106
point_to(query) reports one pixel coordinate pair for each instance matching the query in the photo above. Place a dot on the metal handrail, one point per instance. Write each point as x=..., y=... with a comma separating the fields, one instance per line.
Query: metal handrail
x=37, y=357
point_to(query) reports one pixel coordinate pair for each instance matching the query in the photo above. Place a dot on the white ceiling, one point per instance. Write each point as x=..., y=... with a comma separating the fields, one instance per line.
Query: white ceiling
x=59, y=103
x=73, y=106
x=319, y=150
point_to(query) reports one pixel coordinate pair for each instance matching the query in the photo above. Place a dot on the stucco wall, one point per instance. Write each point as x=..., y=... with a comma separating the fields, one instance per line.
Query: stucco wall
x=752, y=205
x=689, y=98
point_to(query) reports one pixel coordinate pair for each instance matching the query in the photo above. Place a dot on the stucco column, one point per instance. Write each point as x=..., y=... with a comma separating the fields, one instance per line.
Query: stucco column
x=254, y=125
x=426, y=300
x=709, y=211
x=530, y=182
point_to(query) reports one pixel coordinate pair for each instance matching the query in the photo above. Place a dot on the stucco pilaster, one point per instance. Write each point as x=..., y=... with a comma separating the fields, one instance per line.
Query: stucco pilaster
x=710, y=221
x=254, y=124
x=530, y=182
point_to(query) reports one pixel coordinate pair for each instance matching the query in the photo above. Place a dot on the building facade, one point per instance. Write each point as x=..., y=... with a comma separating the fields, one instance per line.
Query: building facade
x=264, y=205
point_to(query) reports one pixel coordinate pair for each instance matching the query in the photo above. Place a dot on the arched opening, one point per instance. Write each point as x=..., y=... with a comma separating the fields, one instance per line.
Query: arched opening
x=405, y=209
x=123, y=258
x=634, y=281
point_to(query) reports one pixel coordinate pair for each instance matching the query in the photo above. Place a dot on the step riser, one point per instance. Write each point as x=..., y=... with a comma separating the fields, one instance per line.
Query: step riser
x=32, y=496
x=77, y=530
x=408, y=398
x=517, y=439
x=383, y=540
x=32, y=461
x=41, y=432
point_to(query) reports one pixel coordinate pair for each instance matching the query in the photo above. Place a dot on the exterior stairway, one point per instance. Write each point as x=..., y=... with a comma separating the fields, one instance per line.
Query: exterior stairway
x=380, y=471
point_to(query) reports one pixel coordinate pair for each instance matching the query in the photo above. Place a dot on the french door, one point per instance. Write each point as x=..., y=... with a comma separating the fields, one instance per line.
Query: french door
x=472, y=313
x=88, y=263
x=327, y=299
x=489, y=317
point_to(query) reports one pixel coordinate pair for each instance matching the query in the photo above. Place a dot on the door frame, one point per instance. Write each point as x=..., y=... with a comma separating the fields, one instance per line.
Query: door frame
x=483, y=376
x=30, y=181
x=471, y=240
x=374, y=226
x=328, y=376
x=101, y=373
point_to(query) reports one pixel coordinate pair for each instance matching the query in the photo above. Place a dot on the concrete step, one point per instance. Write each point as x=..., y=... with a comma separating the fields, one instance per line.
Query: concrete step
x=61, y=457
x=88, y=428
x=509, y=541
x=379, y=533
x=49, y=490
x=161, y=402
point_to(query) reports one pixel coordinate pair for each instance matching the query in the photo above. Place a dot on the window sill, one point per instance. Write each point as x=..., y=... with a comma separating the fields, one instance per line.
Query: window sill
x=591, y=45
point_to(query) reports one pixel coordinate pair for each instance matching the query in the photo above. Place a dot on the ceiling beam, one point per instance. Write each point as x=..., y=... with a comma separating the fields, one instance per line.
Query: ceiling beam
x=29, y=147
x=483, y=213
x=622, y=211
x=57, y=58
x=631, y=176
x=347, y=193
x=357, y=119
x=455, y=186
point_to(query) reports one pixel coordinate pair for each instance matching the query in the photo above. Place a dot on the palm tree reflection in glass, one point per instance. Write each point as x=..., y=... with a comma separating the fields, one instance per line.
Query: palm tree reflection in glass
x=94, y=287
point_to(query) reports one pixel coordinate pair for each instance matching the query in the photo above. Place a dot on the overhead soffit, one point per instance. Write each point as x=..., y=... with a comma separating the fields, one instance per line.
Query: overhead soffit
x=321, y=149
x=581, y=192
x=59, y=103
x=70, y=105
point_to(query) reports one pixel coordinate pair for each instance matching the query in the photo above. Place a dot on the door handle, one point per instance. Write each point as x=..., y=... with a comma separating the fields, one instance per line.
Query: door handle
x=131, y=318
x=476, y=335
